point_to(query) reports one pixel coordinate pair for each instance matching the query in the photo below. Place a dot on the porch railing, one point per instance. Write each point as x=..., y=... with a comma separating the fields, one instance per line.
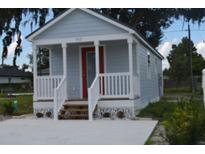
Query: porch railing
x=93, y=97
x=46, y=85
x=114, y=85
x=59, y=97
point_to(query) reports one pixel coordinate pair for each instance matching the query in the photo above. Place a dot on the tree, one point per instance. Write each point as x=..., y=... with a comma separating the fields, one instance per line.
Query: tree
x=24, y=67
x=179, y=61
x=149, y=22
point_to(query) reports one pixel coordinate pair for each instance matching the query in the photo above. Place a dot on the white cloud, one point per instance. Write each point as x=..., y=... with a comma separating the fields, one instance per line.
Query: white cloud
x=201, y=48
x=12, y=46
x=165, y=49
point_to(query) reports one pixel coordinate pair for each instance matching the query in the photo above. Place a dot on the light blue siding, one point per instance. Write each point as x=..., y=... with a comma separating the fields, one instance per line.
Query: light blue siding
x=73, y=72
x=149, y=86
x=116, y=60
x=78, y=24
x=116, y=56
x=56, y=60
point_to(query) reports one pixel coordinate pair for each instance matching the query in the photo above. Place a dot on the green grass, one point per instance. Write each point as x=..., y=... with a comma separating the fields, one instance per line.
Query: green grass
x=181, y=90
x=159, y=110
x=25, y=104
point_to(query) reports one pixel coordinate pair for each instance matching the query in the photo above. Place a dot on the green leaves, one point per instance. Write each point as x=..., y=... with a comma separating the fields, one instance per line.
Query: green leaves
x=179, y=60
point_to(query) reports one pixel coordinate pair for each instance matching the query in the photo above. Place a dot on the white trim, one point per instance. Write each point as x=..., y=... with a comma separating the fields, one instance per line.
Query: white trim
x=147, y=44
x=138, y=68
x=64, y=50
x=85, y=10
x=105, y=58
x=80, y=59
x=80, y=72
x=122, y=36
x=50, y=63
x=97, y=59
x=131, y=31
x=49, y=24
x=35, y=49
x=130, y=60
x=108, y=20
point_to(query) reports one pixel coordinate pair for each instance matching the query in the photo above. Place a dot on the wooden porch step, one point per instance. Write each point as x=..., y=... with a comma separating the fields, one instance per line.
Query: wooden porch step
x=74, y=110
x=74, y=117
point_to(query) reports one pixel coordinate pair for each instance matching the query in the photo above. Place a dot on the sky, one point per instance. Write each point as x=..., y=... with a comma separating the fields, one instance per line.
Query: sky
x=176, y=32
x=172, y=35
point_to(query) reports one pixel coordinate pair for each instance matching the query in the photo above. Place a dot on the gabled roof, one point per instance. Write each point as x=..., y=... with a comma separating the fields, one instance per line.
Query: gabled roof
x=108, y=19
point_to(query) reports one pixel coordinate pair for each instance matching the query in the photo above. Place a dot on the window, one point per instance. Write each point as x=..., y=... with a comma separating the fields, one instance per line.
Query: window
x=43, y=62
x=148, y=65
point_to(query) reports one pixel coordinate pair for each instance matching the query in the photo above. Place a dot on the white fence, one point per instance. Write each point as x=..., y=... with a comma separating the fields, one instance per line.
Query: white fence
x=93, y=97
x=60, y=94
x=46, y=85
x=114, y=85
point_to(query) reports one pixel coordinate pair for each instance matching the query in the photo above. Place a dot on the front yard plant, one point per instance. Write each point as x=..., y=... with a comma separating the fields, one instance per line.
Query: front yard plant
x=184, y=121
x=8, y=108
x=25, y=105
x=186, y=125
x=158, y=110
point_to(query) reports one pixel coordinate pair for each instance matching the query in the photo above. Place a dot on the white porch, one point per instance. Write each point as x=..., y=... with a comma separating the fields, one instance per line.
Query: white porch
x=112, y=85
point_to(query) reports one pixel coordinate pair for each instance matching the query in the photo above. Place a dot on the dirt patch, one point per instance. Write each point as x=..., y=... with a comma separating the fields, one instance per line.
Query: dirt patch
x=158, y=136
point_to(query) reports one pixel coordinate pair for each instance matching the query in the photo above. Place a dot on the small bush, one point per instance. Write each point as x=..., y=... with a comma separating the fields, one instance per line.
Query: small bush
x=120, y=114
x=158, y=110
x=186, y=125
x=8, y=108
x=48, y=114
x=106, y=115
x=39, y=115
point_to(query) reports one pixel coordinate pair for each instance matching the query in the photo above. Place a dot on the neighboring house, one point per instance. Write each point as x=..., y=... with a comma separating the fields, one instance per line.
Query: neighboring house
x=11, y=75
x=96, y=64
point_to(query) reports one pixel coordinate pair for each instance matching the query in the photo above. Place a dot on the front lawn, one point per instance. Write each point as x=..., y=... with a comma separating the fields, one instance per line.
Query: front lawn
x=25, y=104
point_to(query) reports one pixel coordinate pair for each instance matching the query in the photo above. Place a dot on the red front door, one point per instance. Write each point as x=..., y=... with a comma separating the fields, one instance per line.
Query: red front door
x=88, y=67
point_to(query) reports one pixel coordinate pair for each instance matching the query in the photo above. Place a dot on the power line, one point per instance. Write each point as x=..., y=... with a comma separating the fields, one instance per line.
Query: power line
x=176, y=31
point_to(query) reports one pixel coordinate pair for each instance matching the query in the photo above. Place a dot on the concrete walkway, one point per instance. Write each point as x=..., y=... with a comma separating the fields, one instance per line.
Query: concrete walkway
x=31, y=131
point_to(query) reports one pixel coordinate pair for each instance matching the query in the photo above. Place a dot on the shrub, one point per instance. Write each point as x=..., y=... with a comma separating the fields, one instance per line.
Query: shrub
x=158, y=110
x=120, y=114
x=106, y=115
x=48, y=114
x=39, y=115
x=186, y=124
x=8, y=108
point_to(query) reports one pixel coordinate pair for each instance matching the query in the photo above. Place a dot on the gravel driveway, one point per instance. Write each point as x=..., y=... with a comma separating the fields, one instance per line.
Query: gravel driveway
x=32, y=131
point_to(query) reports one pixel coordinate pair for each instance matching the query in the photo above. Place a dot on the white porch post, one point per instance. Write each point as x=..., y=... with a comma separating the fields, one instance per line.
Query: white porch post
x=97, y=62
x=130, y=42
x=34, y=48
x=64, y=47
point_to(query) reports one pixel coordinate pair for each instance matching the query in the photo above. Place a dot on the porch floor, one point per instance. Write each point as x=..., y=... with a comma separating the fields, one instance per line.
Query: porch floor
x=42, y=131
x=76, y=102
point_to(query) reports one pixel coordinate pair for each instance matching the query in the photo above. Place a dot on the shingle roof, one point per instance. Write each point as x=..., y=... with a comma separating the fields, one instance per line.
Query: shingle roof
x=13, y=72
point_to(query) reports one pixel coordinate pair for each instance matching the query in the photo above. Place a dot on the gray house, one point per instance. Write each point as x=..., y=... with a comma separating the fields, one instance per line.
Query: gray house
x=98, y=67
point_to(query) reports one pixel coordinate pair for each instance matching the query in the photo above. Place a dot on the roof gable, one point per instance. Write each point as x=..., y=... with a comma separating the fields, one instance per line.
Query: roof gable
x=77, y=23
x=115, y=23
